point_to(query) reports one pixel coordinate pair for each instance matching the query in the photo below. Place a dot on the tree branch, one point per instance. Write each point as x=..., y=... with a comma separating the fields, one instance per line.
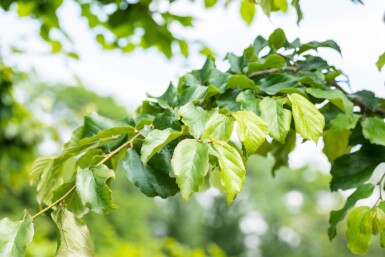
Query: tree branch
x=108, y=156
x=359, y=102
x=273, y=70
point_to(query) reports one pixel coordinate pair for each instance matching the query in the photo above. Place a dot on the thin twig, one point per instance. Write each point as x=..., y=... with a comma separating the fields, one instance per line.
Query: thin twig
x=108, y=156
x=273, y=70
x=359, y=102
x=54, y=203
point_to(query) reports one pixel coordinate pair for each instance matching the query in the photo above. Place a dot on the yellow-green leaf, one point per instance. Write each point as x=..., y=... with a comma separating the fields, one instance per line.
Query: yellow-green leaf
x=247, y=11
x=309, y=122
x=359, y=231
x=155, y=140
x=190, y=163
x=233, y=172
x=251, y=130
x=278, y=118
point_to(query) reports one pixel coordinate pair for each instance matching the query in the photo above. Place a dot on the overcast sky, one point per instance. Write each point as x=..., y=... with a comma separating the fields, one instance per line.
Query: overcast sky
x=358, y=29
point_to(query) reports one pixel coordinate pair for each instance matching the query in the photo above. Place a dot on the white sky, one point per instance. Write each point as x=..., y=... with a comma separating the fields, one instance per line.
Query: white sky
x=359, y=30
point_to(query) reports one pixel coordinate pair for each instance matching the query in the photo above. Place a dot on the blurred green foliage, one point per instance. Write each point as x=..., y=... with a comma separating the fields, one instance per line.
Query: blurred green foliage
x=127, y=25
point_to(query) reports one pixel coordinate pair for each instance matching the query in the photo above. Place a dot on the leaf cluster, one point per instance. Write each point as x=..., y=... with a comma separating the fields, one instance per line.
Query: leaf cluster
x=203, y=130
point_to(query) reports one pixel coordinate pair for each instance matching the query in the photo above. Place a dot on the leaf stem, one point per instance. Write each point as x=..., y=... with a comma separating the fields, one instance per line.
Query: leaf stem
x=108, y=156
x=54, y=203
x=273, y=70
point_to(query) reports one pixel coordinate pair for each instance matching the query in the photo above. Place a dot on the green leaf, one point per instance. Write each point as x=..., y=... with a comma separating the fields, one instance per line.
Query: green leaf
x=277, y=39
x=155, y=140
x=93, y=190
x=210, y=3
x=314, y=45
x=336, y=143
x=258, y=44
x=248, y=101
x=195, y=118
x=359, y=231
x=377, y=216
x=168, y=99
x=226, y=102
x=72, y=201
x=93, y=123
x=167, y=119
x=47, y=173
x=15, y=236
x=240, y=81
x=277, y=118
x=309, y=122
x=151, y=182
x=345, y=122
x=233, y=172
x=362, y=192
x=75, y=239
x=191, y=94
x=295, y=4
x=247, y=11
x=381, y=61
x=218, y=126
x=252, y=130
x=271, y=61
x=183, y=46
x=373, y=129
x=190, y=163
x=368, y=98
x=353, y=169
x=336, y=97
x=281, y=4
x=281, y=83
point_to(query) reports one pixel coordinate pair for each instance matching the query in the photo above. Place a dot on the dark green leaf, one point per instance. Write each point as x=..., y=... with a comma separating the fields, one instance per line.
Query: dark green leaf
x=368, y=98
x=362, y=192
x=281, y=83
x=353, y=169
x=314, y=45
x=148, y=180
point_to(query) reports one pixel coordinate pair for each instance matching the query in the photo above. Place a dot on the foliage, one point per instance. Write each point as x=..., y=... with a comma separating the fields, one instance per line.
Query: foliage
x=20, y=132
x=128, y=25
x=198, y=117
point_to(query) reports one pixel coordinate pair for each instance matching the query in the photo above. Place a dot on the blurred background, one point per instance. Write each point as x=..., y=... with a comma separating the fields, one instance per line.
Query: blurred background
x=46, y=91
